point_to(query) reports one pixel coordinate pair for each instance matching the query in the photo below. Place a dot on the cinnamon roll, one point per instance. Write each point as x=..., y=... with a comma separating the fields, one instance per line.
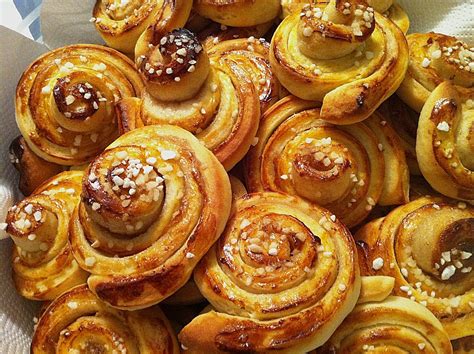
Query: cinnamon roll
x=65, y=101
x=251, y=54
x=210, y=32
x=427, y=246
x=394, y=325
x=241, y=13
x=435, y=58
x=43, y=263
x=279, y=280
x=345, y=55
x=120, y=23
x=444, y=145
x=79, y=322
x=388, y=8
x=346, y=169
x=215, y=96
x=152, y=204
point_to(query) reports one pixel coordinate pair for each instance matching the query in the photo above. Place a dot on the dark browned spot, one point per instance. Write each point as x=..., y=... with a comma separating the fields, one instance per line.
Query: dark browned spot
x=85, y=99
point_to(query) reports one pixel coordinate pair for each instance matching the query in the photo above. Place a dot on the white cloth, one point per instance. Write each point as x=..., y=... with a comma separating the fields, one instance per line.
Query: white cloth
x=453, y=17
x=66, y=22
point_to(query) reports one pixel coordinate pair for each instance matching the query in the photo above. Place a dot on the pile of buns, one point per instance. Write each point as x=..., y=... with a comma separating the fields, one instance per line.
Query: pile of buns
x=248, y=177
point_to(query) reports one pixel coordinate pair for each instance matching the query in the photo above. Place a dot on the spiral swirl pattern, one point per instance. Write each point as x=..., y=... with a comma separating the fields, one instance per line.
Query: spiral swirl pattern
x=120, y=23
x=189, y=293
x=395, y=325
x=427, y=245
x=65, y=99
x=152, y=205
x=43, y=264
x=435, y=58
x=278, y=279
x=215, y=96
x=251, y=54
x=344, y=54
x=346, y=169
x=78, y=322
x=444, y=145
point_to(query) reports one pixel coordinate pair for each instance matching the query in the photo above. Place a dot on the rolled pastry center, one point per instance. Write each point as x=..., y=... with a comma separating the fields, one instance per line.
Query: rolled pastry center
x=445, y=250
x=94, y=334
x=124, y=191
x=34, y=229
x=276, y=248
x=335, y=31
x=322, y=170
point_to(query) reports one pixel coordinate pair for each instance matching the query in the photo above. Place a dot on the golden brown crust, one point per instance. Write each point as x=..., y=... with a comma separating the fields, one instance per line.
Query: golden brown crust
x=316, y=55
x=252, y=55
x=172, y=64
x=397, y=175
x=397, y=14
x=280, y=281
x=388, y=8
x=395, y=325
x=342, y=168
x=210, y=31
x=33, y=170
x=78, y=321
x=435, y=58
x=375, y=288
x=289, y=7
x=120, y=25
x=219, y=103
x=426, y=245
x=238, y=13
x=445, y=141
x=128, y=111
x=64, y=101
x=152, y=205
x=43, y=264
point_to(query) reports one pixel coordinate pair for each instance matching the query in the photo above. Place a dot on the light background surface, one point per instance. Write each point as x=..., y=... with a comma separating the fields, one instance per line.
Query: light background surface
x=22, y=16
